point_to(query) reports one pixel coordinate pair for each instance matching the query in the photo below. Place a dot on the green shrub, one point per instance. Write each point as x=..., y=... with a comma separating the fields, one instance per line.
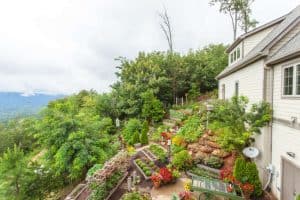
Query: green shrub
x=135, y=138
x=158, y=152
x=156, y=135
x=144, y=136
x=298, y=197
x=95, y=168
x=176, y=148
x=214, y=162
x=132, y=127
x=247, y=172
x=182, y=160
x=192, y=129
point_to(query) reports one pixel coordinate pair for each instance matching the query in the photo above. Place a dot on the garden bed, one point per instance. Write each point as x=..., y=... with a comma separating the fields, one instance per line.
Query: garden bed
x=158, y=151
x=145, y=167
x=117, y=186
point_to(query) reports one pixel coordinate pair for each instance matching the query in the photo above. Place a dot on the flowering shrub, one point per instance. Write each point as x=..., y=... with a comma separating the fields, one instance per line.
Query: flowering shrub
x=247, y=188
x=226, y=174
x=166, y=135
x=186, y=195
x=187, y=185
x=156, y=179
x=178, y=140
x=166, y=175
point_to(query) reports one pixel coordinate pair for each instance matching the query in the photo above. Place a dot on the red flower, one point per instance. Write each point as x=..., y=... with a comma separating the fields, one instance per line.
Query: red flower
x=247, y=188
x=166, y=135
x=226, y=174
x=166, y=174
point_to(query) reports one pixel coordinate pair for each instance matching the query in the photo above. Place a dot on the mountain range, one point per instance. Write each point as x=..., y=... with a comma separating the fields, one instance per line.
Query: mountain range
x=14, y=104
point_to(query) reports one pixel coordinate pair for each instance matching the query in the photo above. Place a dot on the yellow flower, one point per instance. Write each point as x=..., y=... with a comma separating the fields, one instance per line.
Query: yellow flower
x=187, y=185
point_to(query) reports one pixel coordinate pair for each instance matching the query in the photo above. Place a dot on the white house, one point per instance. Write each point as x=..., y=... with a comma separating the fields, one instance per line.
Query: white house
x=264, y=64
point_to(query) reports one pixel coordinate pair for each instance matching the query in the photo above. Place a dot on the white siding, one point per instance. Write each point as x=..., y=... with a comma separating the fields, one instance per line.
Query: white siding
x=250, y=82
x=284, y=108
x=284, y=140
x=251, y=41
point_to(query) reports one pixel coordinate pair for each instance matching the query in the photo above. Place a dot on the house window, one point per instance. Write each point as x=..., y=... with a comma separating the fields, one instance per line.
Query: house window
x=236, y=88
x=238, y=52
x=291, y=81
x=298, y=80
x=223, y=91
x=235, y=55
x=288, y=81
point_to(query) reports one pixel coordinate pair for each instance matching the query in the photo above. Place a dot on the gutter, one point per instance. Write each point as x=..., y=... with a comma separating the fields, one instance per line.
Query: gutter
x=283, y=58
x=242, y=65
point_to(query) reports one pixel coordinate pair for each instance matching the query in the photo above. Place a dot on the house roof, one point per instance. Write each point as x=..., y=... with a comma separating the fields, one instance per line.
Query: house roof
x=255, y=30
x=259, y=51
x=289, y=50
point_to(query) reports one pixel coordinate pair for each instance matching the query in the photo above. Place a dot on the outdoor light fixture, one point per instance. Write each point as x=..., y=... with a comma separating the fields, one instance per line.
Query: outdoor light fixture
x=291, y=154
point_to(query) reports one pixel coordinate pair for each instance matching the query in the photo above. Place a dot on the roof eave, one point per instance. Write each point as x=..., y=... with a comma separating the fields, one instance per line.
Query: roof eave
x=283, y=58
x=242, y=65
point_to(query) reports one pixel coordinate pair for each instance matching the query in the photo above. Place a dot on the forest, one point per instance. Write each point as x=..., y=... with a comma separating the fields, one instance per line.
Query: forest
x=44, y=154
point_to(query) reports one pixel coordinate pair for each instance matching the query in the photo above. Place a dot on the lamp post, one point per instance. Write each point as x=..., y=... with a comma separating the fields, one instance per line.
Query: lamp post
x=208, y=108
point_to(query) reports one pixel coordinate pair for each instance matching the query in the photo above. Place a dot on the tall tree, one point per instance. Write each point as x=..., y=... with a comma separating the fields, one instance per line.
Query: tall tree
x=239, y=12
x=13, y=168
x=246, y=21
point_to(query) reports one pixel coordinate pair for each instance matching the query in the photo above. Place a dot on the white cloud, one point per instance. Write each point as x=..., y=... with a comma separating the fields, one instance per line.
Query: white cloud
x=63, y=46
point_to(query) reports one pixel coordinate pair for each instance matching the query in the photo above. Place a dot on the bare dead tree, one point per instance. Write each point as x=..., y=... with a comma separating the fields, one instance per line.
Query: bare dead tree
x=165, y=26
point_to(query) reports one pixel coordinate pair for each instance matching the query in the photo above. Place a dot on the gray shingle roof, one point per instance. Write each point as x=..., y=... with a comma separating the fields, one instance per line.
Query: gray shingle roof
x=259, y=50
x=291, y=47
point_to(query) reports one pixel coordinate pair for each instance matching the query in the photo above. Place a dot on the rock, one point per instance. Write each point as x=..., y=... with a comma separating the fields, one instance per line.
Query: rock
x=220, y=153
x=201, y=142
x=205, y=136
x=201, y=155
x=206, y=149
x=194, y=147
x=213, y=144
x=210, y=133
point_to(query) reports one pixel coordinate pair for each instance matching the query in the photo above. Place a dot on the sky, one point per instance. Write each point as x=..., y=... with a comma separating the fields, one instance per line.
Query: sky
x=64, y=46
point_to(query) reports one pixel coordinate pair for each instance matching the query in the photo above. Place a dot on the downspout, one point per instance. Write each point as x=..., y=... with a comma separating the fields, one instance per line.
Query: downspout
x=270, y=167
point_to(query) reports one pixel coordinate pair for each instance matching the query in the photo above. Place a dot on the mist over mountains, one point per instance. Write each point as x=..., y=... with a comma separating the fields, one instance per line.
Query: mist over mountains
x=14, y=104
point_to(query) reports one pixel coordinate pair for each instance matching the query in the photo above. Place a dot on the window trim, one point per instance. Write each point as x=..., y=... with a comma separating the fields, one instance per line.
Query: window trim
x=293, y=95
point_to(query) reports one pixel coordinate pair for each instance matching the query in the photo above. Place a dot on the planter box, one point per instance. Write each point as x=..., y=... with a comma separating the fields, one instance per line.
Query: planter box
x=141, y=171
x=76, y=192
x=216, y=171
x=117, y=186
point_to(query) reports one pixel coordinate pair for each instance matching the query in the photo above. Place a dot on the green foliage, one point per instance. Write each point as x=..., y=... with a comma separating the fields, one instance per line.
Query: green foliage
x=101, y=191
x=152, y=109
x=70, y=130
x=182, y=160
x=13, y=169
x=132, y=127
x=204, y=173
x=235, y=125
x=156, y=135
x=246, y=172
x=144, y=135
x=298, y=197
x=158, y=152
x=135, y=138
x=107, y=126
x=175, y=114
x=167, y=75
x=214, y=162
x=95, y=168
x=192, y=129
x=19, y=131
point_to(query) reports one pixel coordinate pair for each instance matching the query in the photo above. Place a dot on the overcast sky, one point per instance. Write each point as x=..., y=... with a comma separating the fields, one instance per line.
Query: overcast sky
x=63, y=46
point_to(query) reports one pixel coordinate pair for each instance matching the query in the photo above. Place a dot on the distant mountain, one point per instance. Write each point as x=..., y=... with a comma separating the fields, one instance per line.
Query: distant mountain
x=13, y=104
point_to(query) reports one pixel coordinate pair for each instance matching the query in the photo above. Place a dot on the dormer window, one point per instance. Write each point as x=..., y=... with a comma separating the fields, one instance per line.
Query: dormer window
x=235, y=55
